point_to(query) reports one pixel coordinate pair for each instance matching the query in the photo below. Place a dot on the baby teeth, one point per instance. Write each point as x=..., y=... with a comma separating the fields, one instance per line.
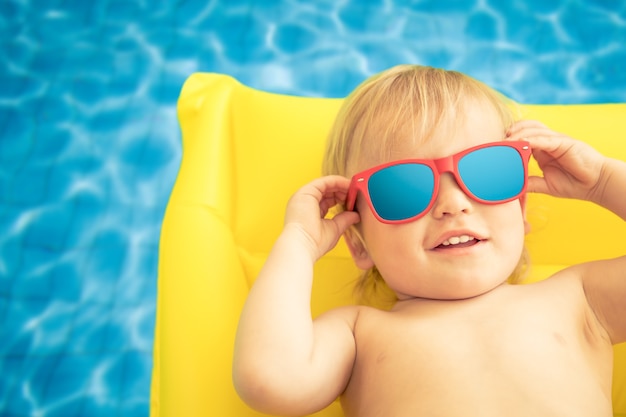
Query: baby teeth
x=455, y=240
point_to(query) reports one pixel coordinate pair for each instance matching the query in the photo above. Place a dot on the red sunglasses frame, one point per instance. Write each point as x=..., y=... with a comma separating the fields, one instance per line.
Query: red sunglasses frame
x=438, y=166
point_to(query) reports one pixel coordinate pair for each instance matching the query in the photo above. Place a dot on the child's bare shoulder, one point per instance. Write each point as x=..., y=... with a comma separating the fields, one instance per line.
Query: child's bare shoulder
x=561, y=296
x=348, y=314
x=603, y=283
x=351, y=317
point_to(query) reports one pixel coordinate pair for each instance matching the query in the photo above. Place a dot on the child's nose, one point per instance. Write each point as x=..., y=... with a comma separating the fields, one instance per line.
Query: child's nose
x=451, y=199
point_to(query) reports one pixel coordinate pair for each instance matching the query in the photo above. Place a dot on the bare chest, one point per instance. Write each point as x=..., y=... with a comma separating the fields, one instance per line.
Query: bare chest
x=485, y=357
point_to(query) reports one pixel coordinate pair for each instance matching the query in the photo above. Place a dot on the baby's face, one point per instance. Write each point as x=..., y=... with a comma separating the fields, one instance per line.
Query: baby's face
x=461, y=248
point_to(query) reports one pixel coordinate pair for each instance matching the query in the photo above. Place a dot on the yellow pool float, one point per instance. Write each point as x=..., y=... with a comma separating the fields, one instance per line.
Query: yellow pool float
x=245, y=152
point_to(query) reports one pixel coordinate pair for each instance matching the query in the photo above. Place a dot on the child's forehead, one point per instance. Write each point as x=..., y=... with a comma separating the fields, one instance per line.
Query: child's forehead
x=460, y=128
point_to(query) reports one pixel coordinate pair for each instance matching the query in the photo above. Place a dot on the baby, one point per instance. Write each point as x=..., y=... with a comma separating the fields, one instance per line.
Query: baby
x=432, y=171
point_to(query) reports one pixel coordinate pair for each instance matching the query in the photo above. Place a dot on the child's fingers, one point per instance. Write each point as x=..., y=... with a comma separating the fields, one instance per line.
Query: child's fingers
x=331, y=201
x=325, y=187
x=539, y=136
x=345, y=219
x=545, y=143
x=524, y=124
x=537, y=185
x=333, y=190
x=535, y=135
x=332, y=184
x=324, y=193
x=526, y=128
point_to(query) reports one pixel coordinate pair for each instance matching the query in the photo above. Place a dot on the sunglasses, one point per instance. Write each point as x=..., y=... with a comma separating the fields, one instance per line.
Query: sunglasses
x=403, y=191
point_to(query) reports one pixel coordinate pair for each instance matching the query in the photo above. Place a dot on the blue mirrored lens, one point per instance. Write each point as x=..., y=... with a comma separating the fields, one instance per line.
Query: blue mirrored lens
x=401, y=191
x=493, y=174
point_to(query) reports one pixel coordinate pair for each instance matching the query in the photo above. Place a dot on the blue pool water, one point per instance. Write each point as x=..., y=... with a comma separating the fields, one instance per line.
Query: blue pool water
x=90, y=146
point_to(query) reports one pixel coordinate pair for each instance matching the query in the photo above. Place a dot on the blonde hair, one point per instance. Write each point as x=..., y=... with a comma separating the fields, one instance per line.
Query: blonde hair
x=406, y=102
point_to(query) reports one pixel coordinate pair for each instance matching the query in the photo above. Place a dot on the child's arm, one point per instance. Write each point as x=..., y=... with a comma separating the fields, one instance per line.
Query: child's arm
x=573, y=169
x=286, y=363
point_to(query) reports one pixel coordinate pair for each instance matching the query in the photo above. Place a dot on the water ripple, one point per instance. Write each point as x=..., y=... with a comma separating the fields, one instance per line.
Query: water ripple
x=90, y=146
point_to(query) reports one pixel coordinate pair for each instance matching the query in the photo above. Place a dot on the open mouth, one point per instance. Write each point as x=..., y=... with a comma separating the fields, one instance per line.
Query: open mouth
x=458, y=242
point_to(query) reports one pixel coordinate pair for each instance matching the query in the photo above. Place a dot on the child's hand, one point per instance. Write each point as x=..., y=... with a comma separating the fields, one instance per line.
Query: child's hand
x=308, y=207
x=571, y=168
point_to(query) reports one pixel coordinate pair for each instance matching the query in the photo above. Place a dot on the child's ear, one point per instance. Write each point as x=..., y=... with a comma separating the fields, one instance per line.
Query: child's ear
x=357, y=248
x=527, y=226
